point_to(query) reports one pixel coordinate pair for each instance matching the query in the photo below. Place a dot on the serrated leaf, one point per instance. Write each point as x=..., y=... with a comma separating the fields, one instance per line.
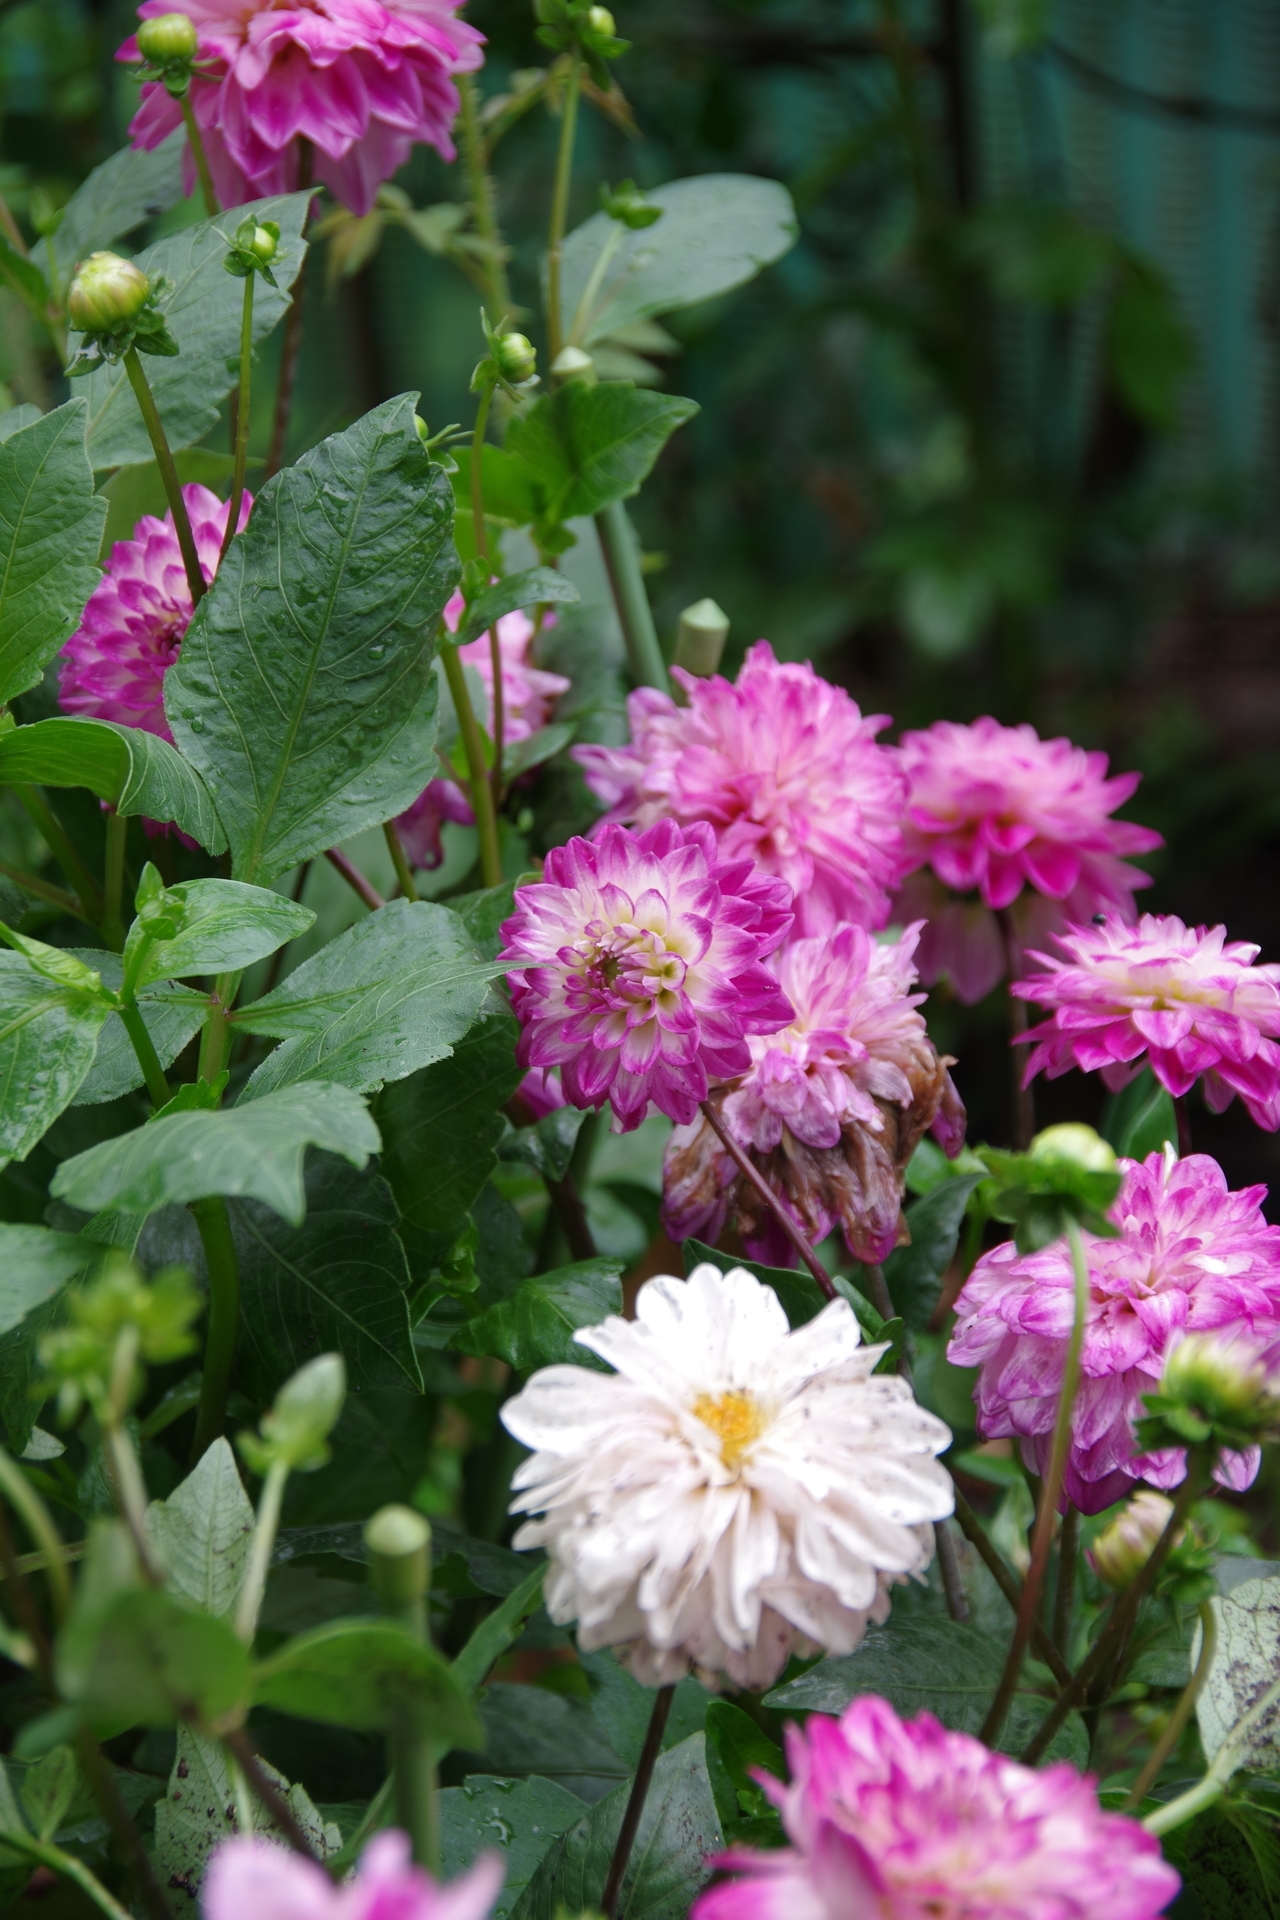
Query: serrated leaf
x=362, y=1674
x=384, y=999
x=130, y=187
x=203, y=313
x=517, y=1818
x=589, y=446
x=48, y=1036
x=530, y=588
x=535, y=1327
x=202, y=1532
x=50, y=527
x=304, y=693
x=135, y=771
x=226, y=926
x=146, y=1659
x=1245, y=1664
x=255, y=1152
x=13, y=419
x=34, y=1265
x=913, y=1274
x=198, y=1812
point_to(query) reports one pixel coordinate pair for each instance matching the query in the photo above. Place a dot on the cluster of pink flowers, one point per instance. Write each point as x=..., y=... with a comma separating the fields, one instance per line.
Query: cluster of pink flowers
x=358, y=81
x=899, y=1819
x=1192, y=1257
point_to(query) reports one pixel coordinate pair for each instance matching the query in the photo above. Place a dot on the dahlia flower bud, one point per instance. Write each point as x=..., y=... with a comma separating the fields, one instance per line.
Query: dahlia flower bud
x=704, y=628
x=265, y=242
x=625, y=202
x=571, y=363
x=601, y=21
x=1069, y=1174
x=167, y=39
x=1215, y=1391
x=295, y=1429
x=107, y=293
x=515, y=357
x=1122, y=1550
x=1073, y=1145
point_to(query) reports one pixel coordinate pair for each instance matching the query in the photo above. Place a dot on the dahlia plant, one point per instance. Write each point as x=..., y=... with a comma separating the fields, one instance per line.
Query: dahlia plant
x=383, y=1531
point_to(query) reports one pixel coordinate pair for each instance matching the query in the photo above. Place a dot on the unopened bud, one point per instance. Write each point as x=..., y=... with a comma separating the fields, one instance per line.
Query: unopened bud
x=106, y=294
x=704, y=628
x=167, y=39
x=571, y=363
x=601, y=21
x=1074, y=1145
x=306, y=1408
x=514, y=357
x=1222, y=1380
x=264, y=244
x=1122, y=1550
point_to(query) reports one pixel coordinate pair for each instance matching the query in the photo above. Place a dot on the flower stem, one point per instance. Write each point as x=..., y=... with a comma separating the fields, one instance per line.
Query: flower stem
x=480, y=188
x=148, y=1059
x=242, y=416
x=355, y=879
x=254, y=1584
x=481, y=792
x=481, y=536
x=1182, y=1712
x=113, y=880
x=1024, y=1100
x=214, y=1222
x=631, y=598
x=201, y=158
x=215, y=1041
x=240, y=1747
x=1225, y=1761
x=399, y=860
x=38, y=809
x=168, y=473
x=560, y=206
x=1064, y=1597
x=1009, y=1584
x=635, y=1803
x=776, y=1205
x=292, y=341
x=1182, y=1114
x=35, y=1517
x=1050, y=1489
x=102, y=1785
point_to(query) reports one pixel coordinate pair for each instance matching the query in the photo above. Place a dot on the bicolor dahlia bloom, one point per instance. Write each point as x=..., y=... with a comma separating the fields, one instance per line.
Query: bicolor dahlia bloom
x=998, y=811
x=362, y=81
x=1191, y=1258
x=734, y=1491
x=130, y=632
x=251, y=1878
x=831, y=1110
x=528, y=694
x=895, y=1820
x=786, y=770
x=1187, y=999
x=636, y=968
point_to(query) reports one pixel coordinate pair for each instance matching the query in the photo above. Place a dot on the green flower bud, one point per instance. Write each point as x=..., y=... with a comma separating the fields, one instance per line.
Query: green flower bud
x=106, y=294
x=265, y=242
x=1220, y=1379
x=1074, y=1145
x=168, y=39
x=1122, y=1550
x=296, y=1428
x=627, y=203
x=571, y=363
x=600, y=21
x=704, y=628
x=514, y=357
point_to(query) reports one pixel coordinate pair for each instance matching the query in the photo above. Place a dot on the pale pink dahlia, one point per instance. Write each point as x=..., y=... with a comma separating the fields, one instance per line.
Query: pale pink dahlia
x=114, y=664
x=997, y=810
x=898, y=1820
x=256, y=1879
x=786, y=770
x=361, y=81
x=831, y=1108
x=635, y=968
x=528, y=695
x=1191, y=1258
x=1185, y=998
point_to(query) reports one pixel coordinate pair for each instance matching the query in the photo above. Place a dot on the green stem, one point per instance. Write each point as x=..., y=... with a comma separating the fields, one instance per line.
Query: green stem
x=215, y=1042
x=560, y=206
x=1182, y=1712
x=102, y=1785
x=481, y=792
x=35, y=1517
x=1051, y=1487
x=113, y=880
x=291, y=345
x=214, y=1222
x=480, y=531
x=357, y=881
x=399, y=860
x=1225, y=1761
x=635, y=1802
x=264, y=1539
x=200, y=157
x=399, y=1545
x=168, y=473
x=1009, y=1584
x=131, y=1495
x=69, y=1868
x=483, y=200
x=1064, y=1597
x=84, y=882
x=148, y=1059
x=630, y=596
x=242, y=416
x=604, y=259
x=46, y=891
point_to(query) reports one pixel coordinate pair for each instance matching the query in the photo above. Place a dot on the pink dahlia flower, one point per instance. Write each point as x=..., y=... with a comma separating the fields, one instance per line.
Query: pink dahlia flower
x=363, y=82
x=1187, y=999
x=994, y=811
x=1191, y=1258
x=635, y=968
x=256, y=1879
x=831, y=1109
x=528, y=695
x=894, y=1820
x=786, y=770
x=114, y=664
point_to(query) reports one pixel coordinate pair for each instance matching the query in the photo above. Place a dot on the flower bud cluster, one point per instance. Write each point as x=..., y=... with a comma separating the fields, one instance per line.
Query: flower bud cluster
x=114, y=1323
x=572, y=26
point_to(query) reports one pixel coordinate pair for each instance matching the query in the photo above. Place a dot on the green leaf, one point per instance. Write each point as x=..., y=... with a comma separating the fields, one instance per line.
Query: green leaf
x=15, y=418
x=389, y=996
x=1245, y=1663
x=225, y=925
x=510, y=497
x=172, y=1015
x=24, y=277
x=146, y=1659
x=531, y=1731
x=716, y=232
x=678, y=1831
x=517, y=1818
x=735, y=1745
x=482, y=914
x=937, y=1666
x=1151, y=350
x=623, y=1707
x=50, y=527
x=361, y=1674
x=135, y=771
x=534, y=586
x=1229, y=1859
x=48, y=1035
x=336, y=1283
x=253, y=1152
x=304, y=693
x=202, y=1532
x=48, y=1788
x=537, y=748
x=21, y=1372
x=34, y=1265
x=588, y=446
x=535, y=1327
x=913, y=1274
x=1140, y=1118
x=203, y=313
x=497, y=1631
x=130, y=187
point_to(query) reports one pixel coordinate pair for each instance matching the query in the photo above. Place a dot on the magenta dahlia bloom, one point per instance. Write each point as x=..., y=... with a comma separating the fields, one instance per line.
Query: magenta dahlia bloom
x=895, y=1820
x=1191, y=1258
x=528, y=695
x=998, y=811
x=1187, y=999
x=114, y=664
x=250, y=1878
x=786, y=770
x=831, y=1108
x=362, y=81
x=635, y=968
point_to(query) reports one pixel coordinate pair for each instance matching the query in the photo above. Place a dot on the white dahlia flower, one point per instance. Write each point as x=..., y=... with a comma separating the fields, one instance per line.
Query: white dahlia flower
x=734, y=1491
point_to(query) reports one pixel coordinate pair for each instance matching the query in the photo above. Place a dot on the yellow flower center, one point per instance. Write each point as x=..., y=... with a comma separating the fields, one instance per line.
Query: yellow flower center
x=736, y=1419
